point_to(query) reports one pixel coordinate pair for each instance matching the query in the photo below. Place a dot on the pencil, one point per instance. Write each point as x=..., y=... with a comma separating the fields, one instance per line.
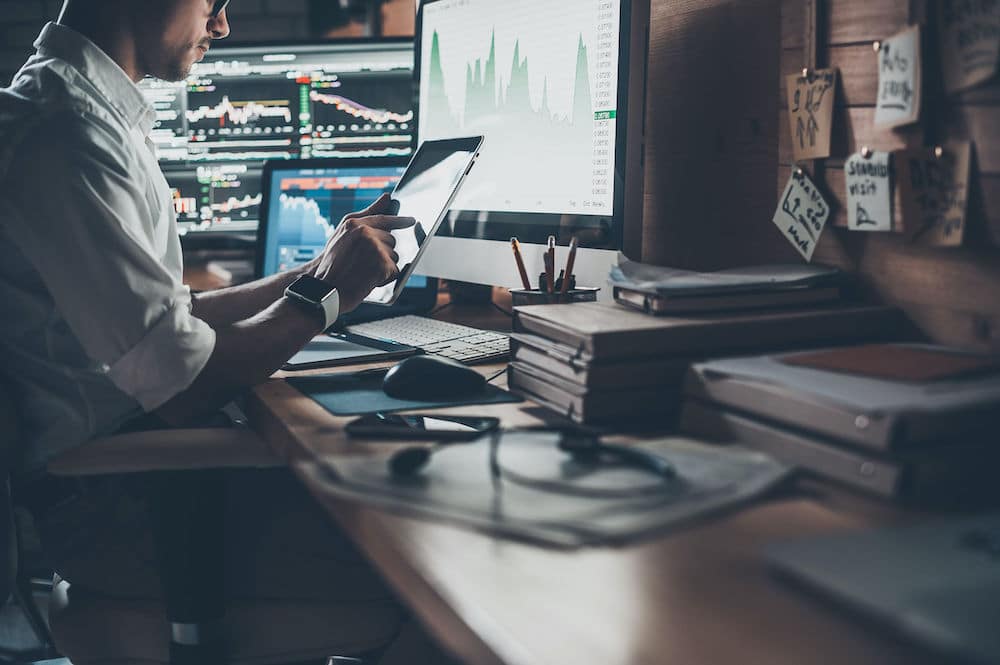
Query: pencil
x=570, y=260
x=516, y=246
x=550, y=269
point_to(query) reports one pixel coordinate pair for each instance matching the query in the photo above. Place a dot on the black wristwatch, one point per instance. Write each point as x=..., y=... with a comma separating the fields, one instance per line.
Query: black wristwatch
x=317, y=296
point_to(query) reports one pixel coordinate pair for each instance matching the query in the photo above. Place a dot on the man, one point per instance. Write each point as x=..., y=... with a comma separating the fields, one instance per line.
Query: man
x=99, y=333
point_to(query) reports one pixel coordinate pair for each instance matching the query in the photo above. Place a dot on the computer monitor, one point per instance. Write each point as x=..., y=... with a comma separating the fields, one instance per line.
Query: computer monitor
x=244, y=105
x=557, y=87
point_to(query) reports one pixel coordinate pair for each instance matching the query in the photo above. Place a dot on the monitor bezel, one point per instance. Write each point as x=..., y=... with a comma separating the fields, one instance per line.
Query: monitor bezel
x=421, y=299
x=535, y=228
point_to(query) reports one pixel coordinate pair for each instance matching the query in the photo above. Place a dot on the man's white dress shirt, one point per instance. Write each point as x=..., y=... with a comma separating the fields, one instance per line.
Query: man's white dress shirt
x=96, y=324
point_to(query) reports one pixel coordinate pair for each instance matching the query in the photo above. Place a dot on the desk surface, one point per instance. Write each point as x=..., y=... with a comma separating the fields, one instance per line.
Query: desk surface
x=702, y=595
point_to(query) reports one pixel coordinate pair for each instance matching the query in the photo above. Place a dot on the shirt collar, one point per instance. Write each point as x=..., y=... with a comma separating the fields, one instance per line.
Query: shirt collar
x=96, y=66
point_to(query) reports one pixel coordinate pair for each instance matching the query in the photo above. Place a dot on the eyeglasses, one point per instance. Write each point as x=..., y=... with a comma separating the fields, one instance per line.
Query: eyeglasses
x=218, y=7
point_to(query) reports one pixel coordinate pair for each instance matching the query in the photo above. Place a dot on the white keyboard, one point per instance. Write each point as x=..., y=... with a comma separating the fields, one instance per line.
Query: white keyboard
x=450, y=340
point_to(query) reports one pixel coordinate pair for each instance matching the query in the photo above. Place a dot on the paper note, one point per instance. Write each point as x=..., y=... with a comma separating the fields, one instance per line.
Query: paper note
x=935, y=192
x=970, y=41
x=898, y=101
x=869, y=192
x=810, y=112
x=802, y=213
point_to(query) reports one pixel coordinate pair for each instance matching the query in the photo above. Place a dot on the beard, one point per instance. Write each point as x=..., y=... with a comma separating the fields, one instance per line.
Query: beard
x=177, y=66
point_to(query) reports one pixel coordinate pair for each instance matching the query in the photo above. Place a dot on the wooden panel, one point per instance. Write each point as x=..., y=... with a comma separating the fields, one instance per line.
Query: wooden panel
x=943, y=291
x=852, y=128
x=846, y=21
x=858, y=73
x=853, y=21
x=981, y=124
x=792, y=23
x=986, y=198
x=711, y=134
x=949, y=294
x=859, y=77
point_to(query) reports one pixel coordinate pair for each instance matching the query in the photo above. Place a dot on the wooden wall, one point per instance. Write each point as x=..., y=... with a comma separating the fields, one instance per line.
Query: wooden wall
x=953, y=295
x=711, y=138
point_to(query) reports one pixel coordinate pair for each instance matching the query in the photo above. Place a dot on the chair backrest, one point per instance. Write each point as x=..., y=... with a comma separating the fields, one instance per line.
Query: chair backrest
x=9, y=438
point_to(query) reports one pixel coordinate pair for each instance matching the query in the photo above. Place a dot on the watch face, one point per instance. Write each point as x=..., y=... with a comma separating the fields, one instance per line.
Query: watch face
x=312, y=289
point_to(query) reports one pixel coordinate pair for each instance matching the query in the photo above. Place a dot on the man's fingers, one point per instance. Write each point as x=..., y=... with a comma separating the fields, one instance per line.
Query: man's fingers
x=388, y=222
x=383, y=205
x=383, y=236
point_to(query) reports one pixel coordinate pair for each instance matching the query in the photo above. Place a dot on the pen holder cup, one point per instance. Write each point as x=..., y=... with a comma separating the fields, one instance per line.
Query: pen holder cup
x=538, y=297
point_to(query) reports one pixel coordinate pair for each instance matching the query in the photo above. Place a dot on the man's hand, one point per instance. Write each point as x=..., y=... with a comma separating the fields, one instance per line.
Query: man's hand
x=360, y=255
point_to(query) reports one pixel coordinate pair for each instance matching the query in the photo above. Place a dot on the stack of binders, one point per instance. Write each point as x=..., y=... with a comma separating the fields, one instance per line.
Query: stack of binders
x=599, y=363
x=912, y=422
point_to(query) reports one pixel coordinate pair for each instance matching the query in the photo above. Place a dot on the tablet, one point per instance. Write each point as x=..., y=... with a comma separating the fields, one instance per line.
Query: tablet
x=335, y=349
x=425, y=192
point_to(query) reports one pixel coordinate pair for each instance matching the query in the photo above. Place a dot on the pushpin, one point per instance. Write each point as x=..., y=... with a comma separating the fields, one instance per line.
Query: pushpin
x=866, y=152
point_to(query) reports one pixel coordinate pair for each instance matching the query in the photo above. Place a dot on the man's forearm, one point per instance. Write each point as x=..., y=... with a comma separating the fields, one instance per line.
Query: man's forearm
x=246, y=353
x=238, y=303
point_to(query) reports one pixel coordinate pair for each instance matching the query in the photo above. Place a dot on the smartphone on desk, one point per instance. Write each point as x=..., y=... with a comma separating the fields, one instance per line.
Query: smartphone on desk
x=421, y=426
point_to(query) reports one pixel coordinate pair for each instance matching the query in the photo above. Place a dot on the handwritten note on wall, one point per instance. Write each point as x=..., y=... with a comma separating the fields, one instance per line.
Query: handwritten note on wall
x=970, y=41
x=802, y=213
x=869, y=192
x=899, y=80
x=935, y=192
x=810, y=112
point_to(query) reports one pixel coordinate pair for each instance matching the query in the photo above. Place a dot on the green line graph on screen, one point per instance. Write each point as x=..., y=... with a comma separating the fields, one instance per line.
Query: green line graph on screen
x=540, y=83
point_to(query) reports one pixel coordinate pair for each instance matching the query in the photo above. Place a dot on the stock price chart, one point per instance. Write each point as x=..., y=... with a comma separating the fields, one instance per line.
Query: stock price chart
x=309, y=208
x=546, y=102
x=214, y=131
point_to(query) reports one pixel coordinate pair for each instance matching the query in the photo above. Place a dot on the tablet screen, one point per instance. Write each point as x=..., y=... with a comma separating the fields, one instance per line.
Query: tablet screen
x=425, y=192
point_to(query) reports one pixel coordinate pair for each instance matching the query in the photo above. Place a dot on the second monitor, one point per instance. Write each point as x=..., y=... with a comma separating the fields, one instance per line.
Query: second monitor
x=244, y=105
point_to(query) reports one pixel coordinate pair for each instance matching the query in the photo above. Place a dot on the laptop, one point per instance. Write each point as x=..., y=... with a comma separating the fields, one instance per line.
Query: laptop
x=938, y=583
x=305, y=199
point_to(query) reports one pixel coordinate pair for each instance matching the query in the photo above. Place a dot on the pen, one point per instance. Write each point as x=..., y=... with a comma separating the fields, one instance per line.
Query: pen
x=550, y=269
x=569, y=265
x=516, y=246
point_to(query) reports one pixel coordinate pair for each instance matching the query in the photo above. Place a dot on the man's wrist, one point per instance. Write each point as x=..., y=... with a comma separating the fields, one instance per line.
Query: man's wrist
x=316, y=295
x=312, y=321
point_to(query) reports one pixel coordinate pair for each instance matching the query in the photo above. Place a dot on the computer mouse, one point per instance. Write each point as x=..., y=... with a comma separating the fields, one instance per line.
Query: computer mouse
x=432, y=378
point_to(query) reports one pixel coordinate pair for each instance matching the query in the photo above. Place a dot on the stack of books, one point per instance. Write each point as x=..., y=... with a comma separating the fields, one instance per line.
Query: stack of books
x=912, y=422
x=662, y=291
x=599, y=363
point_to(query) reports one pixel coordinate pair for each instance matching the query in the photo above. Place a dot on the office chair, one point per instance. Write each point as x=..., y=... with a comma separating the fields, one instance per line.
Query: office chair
x=93, y=629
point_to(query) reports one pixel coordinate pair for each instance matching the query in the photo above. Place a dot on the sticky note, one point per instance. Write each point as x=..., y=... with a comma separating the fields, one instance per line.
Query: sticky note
x=802, y=213
x=935, y=190
x=970, y=41
x=810, y=112
x=899, y=80
x=869, y=192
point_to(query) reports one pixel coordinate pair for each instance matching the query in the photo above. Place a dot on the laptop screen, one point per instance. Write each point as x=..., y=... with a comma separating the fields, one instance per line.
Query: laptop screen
x=306, y=203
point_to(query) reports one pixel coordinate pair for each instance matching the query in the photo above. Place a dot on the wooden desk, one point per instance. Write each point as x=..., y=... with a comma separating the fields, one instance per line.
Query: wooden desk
x=702, y=595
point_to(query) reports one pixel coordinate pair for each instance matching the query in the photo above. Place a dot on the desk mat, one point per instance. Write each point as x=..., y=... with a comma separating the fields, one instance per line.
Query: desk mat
x=361, y=393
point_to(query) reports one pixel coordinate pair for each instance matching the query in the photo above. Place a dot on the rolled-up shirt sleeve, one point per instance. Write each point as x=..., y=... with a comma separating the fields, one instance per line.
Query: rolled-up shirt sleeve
x=84, y=220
